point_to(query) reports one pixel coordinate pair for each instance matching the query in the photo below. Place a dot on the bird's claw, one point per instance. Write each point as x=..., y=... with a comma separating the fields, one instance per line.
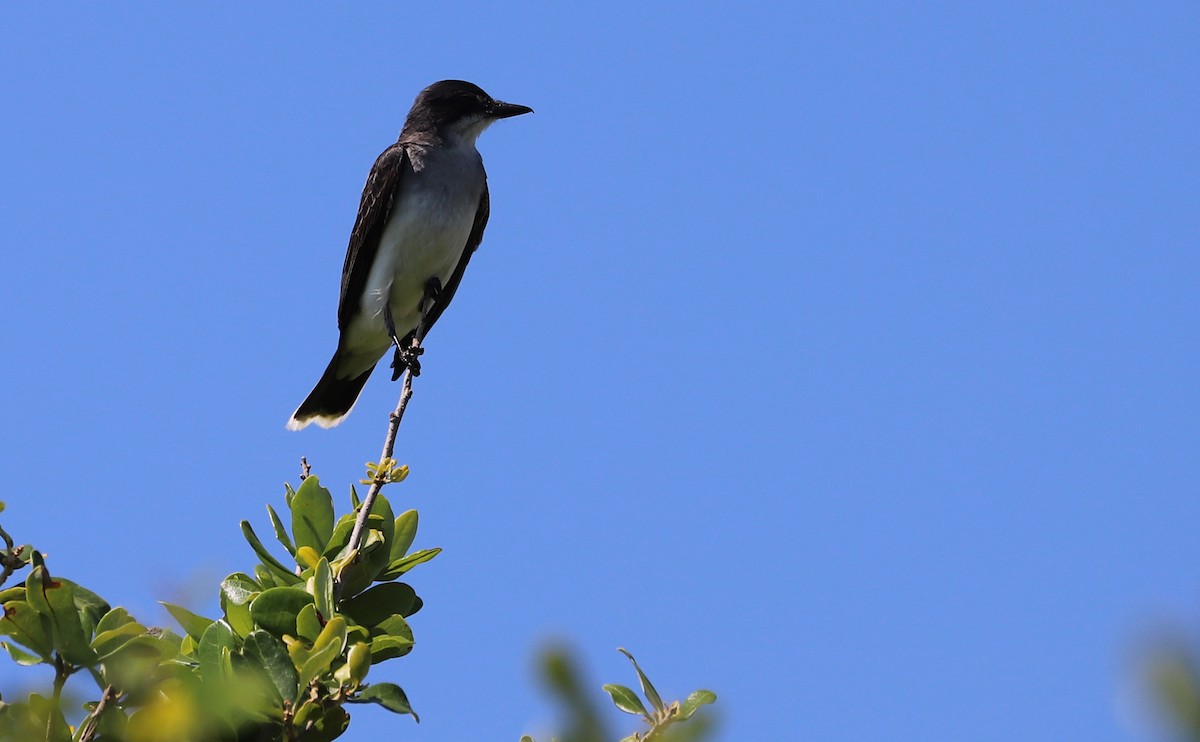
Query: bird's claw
x=407, y=358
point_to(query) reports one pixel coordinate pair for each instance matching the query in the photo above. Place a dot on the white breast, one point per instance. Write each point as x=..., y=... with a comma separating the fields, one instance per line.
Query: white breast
x=430, y=222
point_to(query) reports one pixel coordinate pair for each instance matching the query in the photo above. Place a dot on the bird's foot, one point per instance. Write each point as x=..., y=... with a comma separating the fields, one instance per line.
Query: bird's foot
x=407, y=358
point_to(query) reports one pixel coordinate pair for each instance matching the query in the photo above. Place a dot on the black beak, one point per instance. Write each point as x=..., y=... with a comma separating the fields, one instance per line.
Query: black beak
x=502, y=110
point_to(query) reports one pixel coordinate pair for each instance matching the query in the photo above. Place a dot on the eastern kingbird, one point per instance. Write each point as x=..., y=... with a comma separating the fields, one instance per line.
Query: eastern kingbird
x=422, y=214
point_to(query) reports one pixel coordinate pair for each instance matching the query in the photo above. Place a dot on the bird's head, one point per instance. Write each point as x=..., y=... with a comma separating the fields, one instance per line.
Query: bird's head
x=457, y=109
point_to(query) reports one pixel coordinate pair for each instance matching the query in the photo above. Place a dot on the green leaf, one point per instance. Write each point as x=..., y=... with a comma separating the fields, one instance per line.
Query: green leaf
x=35, y=590
x=91, y=607
x=389, y=647
x=323, y=589
x=115, y=618
x=647, y=688
x=388, y=695
x=377, y=559
x=694, y=702
x=378, y=603
x=237, y=592
x=626, y=700
x=213, y=651
x=328, y=647
x=107, y=642
x=354, y=501
x=192, y=624
x=356, y=573
x=272, y=656
x=358, y=661
x=394, y=626
x=28, y=628
x=240, y=588
x=275, y=609
x=404, y=564
x=281, y=534
x=273, y=565
x=69, y=636
x=49, y=718
x=405, y=531
x=265, y=578
x=20, y=656
x=312, y=515
x=308, y=626
x=340, y=537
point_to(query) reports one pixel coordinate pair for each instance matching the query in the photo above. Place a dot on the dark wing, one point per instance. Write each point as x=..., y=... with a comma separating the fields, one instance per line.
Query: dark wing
x=383, y=184
x=476, y=236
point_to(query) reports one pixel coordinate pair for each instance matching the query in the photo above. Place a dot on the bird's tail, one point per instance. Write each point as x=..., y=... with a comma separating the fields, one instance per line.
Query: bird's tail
x=330, y=400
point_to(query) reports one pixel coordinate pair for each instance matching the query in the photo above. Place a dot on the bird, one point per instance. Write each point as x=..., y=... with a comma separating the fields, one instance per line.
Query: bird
x=422, y=214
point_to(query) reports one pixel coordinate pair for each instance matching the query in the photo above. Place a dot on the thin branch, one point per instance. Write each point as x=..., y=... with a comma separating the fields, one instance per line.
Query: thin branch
x=389, y=442
x=305, y=469
x=92, y=723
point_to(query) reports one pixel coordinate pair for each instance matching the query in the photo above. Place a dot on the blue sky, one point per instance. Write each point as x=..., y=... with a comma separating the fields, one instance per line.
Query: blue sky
x=839, y=358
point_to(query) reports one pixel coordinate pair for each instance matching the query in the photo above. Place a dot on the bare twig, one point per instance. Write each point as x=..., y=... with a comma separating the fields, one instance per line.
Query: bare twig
x=389, y=443
x=92, y=723
x=305, y=469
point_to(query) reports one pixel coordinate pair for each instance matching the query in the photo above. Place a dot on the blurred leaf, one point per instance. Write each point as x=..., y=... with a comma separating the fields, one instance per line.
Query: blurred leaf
x=404, y=532
x=191, y=623
x=50, y=719
x=213, y=651
x=275, y=609
x=271, y=654
x=562, y=677
x=17, y=592
x=312, y=515
x=1177, y=687
x=281, y=534
x=647, y=688
x=695, y=701
x=626, y=700
x=381, y=601
x=388, y=695
x=404, y=564
x=274, y=566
